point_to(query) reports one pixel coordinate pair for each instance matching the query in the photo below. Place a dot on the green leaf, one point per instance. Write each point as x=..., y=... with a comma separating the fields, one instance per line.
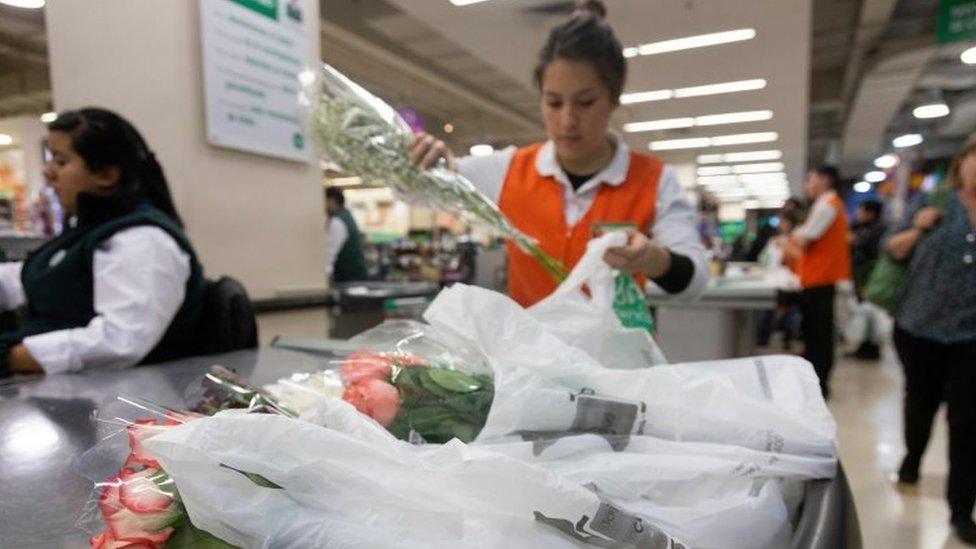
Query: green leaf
x=453, y=380
x=255, y=478
x=188, y=536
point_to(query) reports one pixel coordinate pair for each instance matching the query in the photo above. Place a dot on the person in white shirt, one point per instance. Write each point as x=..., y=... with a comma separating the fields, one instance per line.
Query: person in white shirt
x=121, y=285
x=560, y=191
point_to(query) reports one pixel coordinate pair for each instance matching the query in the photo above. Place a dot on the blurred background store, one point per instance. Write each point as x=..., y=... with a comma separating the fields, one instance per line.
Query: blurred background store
x=742, y=97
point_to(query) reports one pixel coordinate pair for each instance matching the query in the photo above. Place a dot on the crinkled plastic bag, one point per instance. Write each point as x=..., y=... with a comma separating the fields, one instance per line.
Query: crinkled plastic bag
x=351, y=484
x=587, y=320
x=543, y=384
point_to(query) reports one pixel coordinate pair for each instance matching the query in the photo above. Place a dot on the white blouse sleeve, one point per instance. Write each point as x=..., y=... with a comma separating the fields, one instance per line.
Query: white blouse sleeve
x=338, y=234
x=676, y=229
x=11, y=287
x=488, y=172
x=140, y=283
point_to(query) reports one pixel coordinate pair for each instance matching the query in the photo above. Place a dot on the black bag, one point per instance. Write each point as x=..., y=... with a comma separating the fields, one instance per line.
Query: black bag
x=228, y=317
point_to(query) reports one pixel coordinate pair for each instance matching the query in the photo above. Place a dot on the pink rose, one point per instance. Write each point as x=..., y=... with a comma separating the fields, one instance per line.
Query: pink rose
x=142, y=429
x=364, y=365
x=375, y=398
x=137, y=510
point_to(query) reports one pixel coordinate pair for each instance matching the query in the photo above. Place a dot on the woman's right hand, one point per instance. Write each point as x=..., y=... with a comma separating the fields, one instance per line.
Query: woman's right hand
x=426, y=150
x=927, y=218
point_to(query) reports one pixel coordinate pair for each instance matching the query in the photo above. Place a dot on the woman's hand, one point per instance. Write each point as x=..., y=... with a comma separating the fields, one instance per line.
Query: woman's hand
x=426, y=150
x=927, y=218
x=640, y=255
x=20, y=361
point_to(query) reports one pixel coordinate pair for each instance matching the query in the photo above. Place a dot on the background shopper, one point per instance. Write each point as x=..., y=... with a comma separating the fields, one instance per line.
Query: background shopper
x=344, y=257
x=866, y=235
x=121, y=285
x=825, y=260
x=584, y=175
x=935, y=334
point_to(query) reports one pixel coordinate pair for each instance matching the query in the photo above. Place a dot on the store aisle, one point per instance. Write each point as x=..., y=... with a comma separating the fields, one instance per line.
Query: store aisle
x=867, y=405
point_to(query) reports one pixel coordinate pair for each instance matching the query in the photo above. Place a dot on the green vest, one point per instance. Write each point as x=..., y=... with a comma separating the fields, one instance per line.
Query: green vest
x=59, y=284
x=350, y=264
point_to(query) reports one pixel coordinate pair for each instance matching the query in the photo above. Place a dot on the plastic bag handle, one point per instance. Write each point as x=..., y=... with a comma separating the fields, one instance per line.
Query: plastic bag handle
x=591, y=266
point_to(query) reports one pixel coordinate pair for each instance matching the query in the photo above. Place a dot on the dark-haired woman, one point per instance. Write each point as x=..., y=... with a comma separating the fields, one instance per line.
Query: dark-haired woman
x=121, y=285
x=557, y=191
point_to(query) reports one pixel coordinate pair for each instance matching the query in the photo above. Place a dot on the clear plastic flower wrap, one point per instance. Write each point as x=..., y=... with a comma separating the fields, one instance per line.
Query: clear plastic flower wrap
x=365, y=136
x=134, y=502
x=418, y=383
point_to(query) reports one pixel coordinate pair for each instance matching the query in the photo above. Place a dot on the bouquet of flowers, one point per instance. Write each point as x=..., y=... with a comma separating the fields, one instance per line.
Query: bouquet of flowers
x=416, y=399
x=140, y=506
x=364, y=136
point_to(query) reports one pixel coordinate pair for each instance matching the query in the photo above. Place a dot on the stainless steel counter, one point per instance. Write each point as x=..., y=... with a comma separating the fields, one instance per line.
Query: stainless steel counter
x=45, y=424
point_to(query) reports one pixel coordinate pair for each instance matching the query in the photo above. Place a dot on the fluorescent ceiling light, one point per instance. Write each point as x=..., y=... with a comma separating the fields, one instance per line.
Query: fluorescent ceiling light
x=862, y=187
x=934, y=110
x=733, y=118
x=711, y=158
x=751, y=156
x=875, y=177
x=693, y=91
x=759, y=168
x=5, y=139
x=643, y=97
x=907, y=140
x=689, y=42
x=49, y=117
x=724, y=87
x=706, y=120
x=714, y=170
x=763, y=177
x=717, y=141
x=969, y=56
x=886, y=161
x=674, y=144
x=31, y=4
x=666, y=124
x=743, y=138
x=481, y=150
x=713, y=180
x=466, y=2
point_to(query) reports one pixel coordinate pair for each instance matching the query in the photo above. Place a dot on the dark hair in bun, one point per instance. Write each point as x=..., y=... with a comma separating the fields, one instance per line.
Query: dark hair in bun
x=585, y=36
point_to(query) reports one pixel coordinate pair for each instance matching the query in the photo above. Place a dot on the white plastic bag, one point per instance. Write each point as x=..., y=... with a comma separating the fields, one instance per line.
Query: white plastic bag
x=542, y=384
x=589, y=321
x=353, y=485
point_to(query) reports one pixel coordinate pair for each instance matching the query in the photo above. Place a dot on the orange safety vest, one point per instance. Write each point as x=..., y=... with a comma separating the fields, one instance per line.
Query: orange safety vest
x=534, y=204
x=827, y=260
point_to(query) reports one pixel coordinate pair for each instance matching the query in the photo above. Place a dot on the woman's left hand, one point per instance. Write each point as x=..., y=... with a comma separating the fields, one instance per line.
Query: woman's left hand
x=22, y=362
x=640, y=255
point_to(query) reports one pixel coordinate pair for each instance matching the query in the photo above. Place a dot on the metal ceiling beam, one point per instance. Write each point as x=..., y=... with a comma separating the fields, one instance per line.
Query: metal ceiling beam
x=331, y=31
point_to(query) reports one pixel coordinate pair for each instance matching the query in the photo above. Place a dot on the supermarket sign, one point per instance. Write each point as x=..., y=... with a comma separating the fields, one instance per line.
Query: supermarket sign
x=956, y=21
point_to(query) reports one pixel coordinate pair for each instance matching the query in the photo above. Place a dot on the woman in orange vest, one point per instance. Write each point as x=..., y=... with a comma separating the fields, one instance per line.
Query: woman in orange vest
x=825, y=260
x=560, y=190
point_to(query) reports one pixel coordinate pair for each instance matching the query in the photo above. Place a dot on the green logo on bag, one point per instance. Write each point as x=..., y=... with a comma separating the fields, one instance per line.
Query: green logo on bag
x=630, y=306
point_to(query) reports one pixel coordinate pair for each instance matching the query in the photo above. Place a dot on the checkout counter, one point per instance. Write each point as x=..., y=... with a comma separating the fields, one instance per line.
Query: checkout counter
x=721, y=324
x=47, y=423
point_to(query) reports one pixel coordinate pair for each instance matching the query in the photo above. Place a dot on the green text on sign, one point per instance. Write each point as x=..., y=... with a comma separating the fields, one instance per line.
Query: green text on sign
x=956, y=21
x=267, y=8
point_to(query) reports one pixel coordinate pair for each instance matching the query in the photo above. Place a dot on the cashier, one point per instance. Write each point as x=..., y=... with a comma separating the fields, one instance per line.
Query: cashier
x=121, y=285
x=560, y=190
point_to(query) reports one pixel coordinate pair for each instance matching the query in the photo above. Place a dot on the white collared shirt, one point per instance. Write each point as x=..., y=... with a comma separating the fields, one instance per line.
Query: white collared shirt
x=140, y=278
x=674, y=219
x=336, y=238
x=822, y=215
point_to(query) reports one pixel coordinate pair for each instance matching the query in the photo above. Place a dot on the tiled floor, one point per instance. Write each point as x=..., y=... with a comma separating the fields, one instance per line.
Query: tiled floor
x=867, y=405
